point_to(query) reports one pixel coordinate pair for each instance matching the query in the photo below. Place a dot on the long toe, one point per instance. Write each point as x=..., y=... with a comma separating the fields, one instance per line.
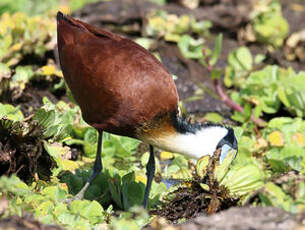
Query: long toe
x=76, y=197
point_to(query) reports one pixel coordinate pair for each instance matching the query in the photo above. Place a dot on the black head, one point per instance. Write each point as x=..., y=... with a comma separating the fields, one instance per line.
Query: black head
x=229, y=140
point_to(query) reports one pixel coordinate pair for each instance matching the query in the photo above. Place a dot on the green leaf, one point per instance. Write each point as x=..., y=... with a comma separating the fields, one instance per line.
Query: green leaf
x=258, y=111
x=91, y=136
x=145, y=42
x=202, y=166
x=159, y=2
x=278, y=165
x=216, y=74
x=115, y=190
x=244, y=58
x=279, y=122
x=57, y=120
x=44, y=208
x=243, y=180
x=274, y=195
x=78, y=4
x=225, y=163
x=90, y=210
x=23, y=74
x=213, y=117
x=46, y=119
x=259, y=58
x=10, y=112
x=189, y=47
x=201, y=27
x=240, y=58
x=240, y=63
x=216, y=50
x=271, y=28
x=55, y=193
x=119, y=146
x=239, y=117
x=295, y=163
x=60, y=208
x=247, y=110
x=33, y=7
x=14, y=185
x=5, y=71
x=130, y=188
x=66, y=218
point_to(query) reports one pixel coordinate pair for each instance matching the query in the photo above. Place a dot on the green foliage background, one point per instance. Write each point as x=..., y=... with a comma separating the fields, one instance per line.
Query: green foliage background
x=264, y=159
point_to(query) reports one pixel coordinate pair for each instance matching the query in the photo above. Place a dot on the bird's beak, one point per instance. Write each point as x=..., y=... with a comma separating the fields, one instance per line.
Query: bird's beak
x=228, y=152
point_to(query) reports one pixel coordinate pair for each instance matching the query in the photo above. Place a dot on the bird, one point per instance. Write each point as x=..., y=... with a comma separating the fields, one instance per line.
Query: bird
x=121, y=88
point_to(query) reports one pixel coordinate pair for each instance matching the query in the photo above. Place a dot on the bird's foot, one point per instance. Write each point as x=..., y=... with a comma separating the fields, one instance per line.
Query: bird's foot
x=79, y=196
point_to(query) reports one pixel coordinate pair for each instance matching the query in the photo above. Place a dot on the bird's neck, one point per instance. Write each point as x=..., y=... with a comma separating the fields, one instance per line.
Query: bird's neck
x=178, y=135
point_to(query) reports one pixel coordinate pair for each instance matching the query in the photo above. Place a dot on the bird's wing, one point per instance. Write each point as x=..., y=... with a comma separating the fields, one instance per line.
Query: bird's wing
x=117, y=83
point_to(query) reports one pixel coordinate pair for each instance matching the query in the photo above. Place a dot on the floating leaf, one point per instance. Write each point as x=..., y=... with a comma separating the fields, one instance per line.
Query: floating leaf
x=243, y=180
x=189, y=47
x=202, y=166
x=22, y=76
x=240, y=63
x=166, y=155
x=274, y=195
x=10, y=112
x=299, y=138
x=276, y=139
x=5, y=71
x=213, y=117
x=216, y=50
x=141, y=178
x=48, y=69
x=90, y=210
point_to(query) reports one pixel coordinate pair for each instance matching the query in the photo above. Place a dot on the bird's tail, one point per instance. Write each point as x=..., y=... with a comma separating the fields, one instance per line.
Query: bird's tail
x=69, y=29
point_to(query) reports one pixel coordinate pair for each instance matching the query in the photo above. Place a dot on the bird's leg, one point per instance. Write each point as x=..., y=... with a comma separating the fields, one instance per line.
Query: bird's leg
x=150, y=171
x=97, y=168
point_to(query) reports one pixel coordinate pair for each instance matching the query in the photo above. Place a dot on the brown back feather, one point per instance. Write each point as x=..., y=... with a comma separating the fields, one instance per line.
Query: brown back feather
x=117, y=83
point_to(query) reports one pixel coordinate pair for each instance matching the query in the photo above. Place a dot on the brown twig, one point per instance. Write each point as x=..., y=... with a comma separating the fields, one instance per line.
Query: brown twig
x=211, y=166
x=212, y=183
x=225, y=98
x=228, y=101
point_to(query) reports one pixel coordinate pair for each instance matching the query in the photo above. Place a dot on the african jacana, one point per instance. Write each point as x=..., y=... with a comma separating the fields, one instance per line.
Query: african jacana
x=122, y=89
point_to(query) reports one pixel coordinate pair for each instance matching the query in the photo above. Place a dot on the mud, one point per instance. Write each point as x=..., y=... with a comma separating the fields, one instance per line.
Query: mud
x=26, y=222
x=22, y=152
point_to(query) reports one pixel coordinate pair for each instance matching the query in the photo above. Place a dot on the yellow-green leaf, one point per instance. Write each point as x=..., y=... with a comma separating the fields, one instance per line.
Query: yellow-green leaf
x=276, y=139
x=166, y=156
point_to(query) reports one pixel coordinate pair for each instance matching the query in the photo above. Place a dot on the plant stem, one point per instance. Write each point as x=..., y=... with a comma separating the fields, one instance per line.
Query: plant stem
x=228, y=101
x=225, y=98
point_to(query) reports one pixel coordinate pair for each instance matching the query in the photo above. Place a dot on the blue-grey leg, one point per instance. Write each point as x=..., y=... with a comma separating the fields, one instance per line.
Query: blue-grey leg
x=150, y=171
x=97, y=168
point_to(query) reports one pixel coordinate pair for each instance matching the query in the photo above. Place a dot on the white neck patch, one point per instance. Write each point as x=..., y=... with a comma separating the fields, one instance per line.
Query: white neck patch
x=203, y=142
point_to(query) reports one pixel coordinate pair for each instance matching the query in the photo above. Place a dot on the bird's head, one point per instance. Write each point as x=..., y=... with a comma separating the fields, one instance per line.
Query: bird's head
x=227, y=142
